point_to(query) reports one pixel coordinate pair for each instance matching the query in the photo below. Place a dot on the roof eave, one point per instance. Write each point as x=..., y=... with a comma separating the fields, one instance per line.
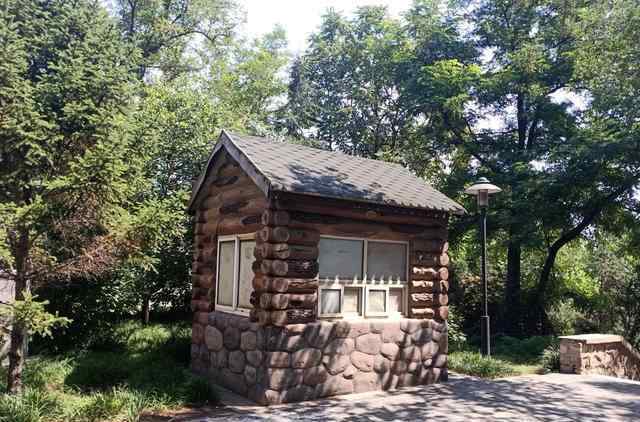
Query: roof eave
x=458, y=211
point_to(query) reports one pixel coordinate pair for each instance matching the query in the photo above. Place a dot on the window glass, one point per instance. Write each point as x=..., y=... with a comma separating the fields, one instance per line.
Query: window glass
x=386, y=261
x=377, y=300
x=330, y=301
x=225, y=273
x=245, y=279
x=395, y=300
x=352, y=300
x=341, y=258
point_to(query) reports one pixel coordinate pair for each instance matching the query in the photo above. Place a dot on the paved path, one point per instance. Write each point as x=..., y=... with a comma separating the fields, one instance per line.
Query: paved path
x=554, y=397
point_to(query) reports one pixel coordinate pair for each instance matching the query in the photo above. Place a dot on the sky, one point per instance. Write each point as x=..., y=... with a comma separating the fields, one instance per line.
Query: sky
x=301, y=17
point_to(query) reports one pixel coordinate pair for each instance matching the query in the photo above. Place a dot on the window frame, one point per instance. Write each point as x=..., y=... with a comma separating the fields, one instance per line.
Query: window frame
x=376, y=287
x=404, y=291
x=365, y=284
x=236, y=238
x=334, y=286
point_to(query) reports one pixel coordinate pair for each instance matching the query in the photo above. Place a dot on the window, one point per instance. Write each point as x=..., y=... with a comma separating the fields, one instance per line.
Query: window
x=340, y=258
x=396, y=301
x=362, y=278
x=330, y=301
x=235, y=273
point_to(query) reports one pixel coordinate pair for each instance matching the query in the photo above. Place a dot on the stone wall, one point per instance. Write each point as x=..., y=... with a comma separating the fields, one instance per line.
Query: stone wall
x=599, y=354
x=299, y=362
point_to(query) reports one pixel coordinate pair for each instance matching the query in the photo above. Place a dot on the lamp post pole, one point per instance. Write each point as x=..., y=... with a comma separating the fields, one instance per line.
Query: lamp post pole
x=484, y=319
x=481, y=189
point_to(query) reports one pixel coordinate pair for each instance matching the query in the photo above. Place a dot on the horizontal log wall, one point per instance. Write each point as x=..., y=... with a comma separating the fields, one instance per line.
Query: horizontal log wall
x=285, y=288
x=232, y=204
x=429, y=276
x=291, y=266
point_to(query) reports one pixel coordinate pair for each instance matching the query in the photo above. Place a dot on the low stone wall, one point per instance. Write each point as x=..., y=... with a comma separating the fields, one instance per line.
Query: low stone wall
x=300, y=362
x=599, y=354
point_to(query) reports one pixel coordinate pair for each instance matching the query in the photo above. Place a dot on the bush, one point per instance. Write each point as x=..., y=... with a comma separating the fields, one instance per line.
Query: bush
x=457, y=337
x=199, y=390
x=147, y=370
x=521, y=350
x=551, y=358
x=473, y=363
x=563, y=317
x=31, y=406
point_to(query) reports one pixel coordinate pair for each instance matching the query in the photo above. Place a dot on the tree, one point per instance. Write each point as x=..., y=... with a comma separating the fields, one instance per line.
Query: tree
x=67, y=165
x=345, y=89
x=507, y=119
x=177, y=36
x=246, y=86
x=177, y=122
x=177, y=126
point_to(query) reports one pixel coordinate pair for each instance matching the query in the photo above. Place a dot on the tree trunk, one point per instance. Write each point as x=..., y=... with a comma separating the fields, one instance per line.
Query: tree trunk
x=566, y=237
x=513, y=315
x=18, y=338
x=537, y=315
x=146, y=310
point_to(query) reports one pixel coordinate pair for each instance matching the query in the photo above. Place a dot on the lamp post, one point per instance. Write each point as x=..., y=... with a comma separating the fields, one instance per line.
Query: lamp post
x=482, y=189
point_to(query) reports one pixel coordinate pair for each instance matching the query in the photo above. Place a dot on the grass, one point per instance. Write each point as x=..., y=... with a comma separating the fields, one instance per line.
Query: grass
x=509, y=357
x=146, y=369
x=472, y=363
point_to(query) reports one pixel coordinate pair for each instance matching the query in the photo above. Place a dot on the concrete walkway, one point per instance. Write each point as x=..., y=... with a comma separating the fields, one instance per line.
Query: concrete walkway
x=554, y=397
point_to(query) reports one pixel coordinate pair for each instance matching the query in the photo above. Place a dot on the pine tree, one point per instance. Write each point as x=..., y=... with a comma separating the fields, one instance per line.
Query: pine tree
x=66, y=165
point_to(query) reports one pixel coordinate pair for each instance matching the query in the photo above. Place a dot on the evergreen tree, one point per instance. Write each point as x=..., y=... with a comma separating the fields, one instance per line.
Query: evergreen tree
x=67, y=168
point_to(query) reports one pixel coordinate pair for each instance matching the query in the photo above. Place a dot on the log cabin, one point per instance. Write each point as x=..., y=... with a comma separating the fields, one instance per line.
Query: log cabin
x=316, y=273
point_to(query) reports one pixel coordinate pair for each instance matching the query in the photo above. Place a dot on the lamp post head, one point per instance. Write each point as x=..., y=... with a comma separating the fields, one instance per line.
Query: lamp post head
x=482, y=188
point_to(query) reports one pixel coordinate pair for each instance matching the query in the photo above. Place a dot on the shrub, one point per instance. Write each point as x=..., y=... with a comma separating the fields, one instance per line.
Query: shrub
x=563, y=317
x=457, y=337
x=100, y=370
x=551, y=358
x=521, y=350
x=103, y=405
x=199, y=390
x=31, y=405
x=147, y=370
x=473, y=363
x=46, y=374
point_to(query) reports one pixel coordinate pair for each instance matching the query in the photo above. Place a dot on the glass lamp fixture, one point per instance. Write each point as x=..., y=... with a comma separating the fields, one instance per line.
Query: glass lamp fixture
x=482, y=188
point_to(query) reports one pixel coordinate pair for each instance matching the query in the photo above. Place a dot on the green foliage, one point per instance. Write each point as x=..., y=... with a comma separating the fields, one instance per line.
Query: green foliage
x=345, y=83
x=465, y=283
x=31, y=314
x=473, y=363
x=457, y=337
x=30, y=406
x=563, y=317
x=526, y=350
x=245, y=86
x=95, y=307
x=551, y=357
x=145, y=369
x=175, y=37
x=574, y=272
x=68, y=166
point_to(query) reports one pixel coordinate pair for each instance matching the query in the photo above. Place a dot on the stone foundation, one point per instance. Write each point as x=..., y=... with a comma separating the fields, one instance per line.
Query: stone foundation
x=299, y=362
x=599, y=354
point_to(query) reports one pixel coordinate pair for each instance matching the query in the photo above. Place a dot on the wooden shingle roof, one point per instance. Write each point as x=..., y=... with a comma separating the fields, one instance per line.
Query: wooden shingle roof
x=284, y=167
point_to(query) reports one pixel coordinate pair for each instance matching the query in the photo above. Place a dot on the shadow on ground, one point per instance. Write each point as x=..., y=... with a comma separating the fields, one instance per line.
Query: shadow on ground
x=553, y=397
